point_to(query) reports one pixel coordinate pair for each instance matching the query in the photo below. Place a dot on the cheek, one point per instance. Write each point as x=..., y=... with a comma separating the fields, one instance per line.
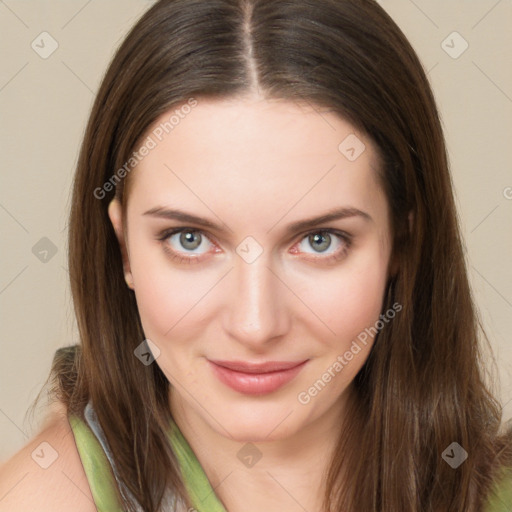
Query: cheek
x=341, y=302
x=163, y=295
x=350, y=303
x=347, y=299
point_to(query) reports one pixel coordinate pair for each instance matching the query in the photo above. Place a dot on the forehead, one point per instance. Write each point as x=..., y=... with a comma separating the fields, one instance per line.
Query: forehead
x=244, y=151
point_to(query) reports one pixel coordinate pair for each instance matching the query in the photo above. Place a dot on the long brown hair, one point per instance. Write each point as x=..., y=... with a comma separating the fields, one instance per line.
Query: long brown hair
x=422, y=387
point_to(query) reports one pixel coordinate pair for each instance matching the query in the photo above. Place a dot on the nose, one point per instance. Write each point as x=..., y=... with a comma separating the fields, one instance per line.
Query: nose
x=256, y=315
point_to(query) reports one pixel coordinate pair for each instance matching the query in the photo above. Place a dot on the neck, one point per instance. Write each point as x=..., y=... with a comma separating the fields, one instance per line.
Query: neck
x=289, y=474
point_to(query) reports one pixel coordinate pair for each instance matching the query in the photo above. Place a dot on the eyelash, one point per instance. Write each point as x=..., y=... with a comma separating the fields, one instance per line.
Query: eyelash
x=175, y=256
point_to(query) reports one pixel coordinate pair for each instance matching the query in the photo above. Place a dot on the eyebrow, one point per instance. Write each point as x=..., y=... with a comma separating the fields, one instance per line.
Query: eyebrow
x=331, y=215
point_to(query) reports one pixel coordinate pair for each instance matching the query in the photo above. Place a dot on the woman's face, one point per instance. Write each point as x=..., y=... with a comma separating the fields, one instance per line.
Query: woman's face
x=247, y=284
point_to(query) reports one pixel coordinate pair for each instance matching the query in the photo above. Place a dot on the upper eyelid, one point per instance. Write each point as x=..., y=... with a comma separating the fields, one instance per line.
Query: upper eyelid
x=166, y=233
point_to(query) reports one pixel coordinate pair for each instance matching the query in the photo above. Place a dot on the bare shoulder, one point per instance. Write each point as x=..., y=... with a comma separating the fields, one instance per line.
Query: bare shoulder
x=47, y=473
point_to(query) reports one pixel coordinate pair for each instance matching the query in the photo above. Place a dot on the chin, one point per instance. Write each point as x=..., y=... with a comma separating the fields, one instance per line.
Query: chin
x=250, y=423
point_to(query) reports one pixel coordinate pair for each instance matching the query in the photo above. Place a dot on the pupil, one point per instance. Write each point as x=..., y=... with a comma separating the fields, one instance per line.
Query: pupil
x=188, y=238
x=319, y=238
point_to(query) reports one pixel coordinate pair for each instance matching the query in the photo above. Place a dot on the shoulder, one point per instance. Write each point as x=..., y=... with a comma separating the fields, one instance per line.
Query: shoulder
x=47, y=473
x=500, y=499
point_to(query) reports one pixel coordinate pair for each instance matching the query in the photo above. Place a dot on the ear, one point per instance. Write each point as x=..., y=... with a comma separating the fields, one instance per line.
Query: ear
x=115, y=213
x=393, y=267
x=394, y=264
x=411, y=221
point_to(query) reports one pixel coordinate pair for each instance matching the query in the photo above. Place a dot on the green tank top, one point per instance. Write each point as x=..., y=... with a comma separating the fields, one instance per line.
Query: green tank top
x=103, y=483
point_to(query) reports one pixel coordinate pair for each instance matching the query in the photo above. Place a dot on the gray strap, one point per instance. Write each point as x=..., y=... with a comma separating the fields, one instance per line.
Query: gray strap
x=169, y=501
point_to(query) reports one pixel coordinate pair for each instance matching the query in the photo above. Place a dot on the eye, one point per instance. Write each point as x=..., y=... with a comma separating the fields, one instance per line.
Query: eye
x=183, y=243
x=189, y=239
x=321, y=241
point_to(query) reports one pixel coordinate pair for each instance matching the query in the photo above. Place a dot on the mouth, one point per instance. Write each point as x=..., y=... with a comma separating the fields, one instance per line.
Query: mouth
x=256, y=378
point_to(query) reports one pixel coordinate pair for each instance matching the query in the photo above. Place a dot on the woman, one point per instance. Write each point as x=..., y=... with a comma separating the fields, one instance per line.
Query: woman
x=269, y=279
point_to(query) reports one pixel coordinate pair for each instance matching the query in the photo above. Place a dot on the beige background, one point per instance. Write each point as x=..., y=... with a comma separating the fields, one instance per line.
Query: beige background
x=44, y=105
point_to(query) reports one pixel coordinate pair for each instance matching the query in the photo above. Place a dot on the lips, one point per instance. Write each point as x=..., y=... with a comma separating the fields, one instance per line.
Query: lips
x=256, y=378
x=245, y=367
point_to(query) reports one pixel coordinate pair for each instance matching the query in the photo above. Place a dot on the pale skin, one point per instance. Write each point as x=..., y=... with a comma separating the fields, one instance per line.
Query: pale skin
x=255, y=166
x=25, y=486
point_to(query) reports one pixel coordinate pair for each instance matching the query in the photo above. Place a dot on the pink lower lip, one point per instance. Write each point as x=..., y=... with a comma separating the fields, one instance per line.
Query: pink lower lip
x=255, y=383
